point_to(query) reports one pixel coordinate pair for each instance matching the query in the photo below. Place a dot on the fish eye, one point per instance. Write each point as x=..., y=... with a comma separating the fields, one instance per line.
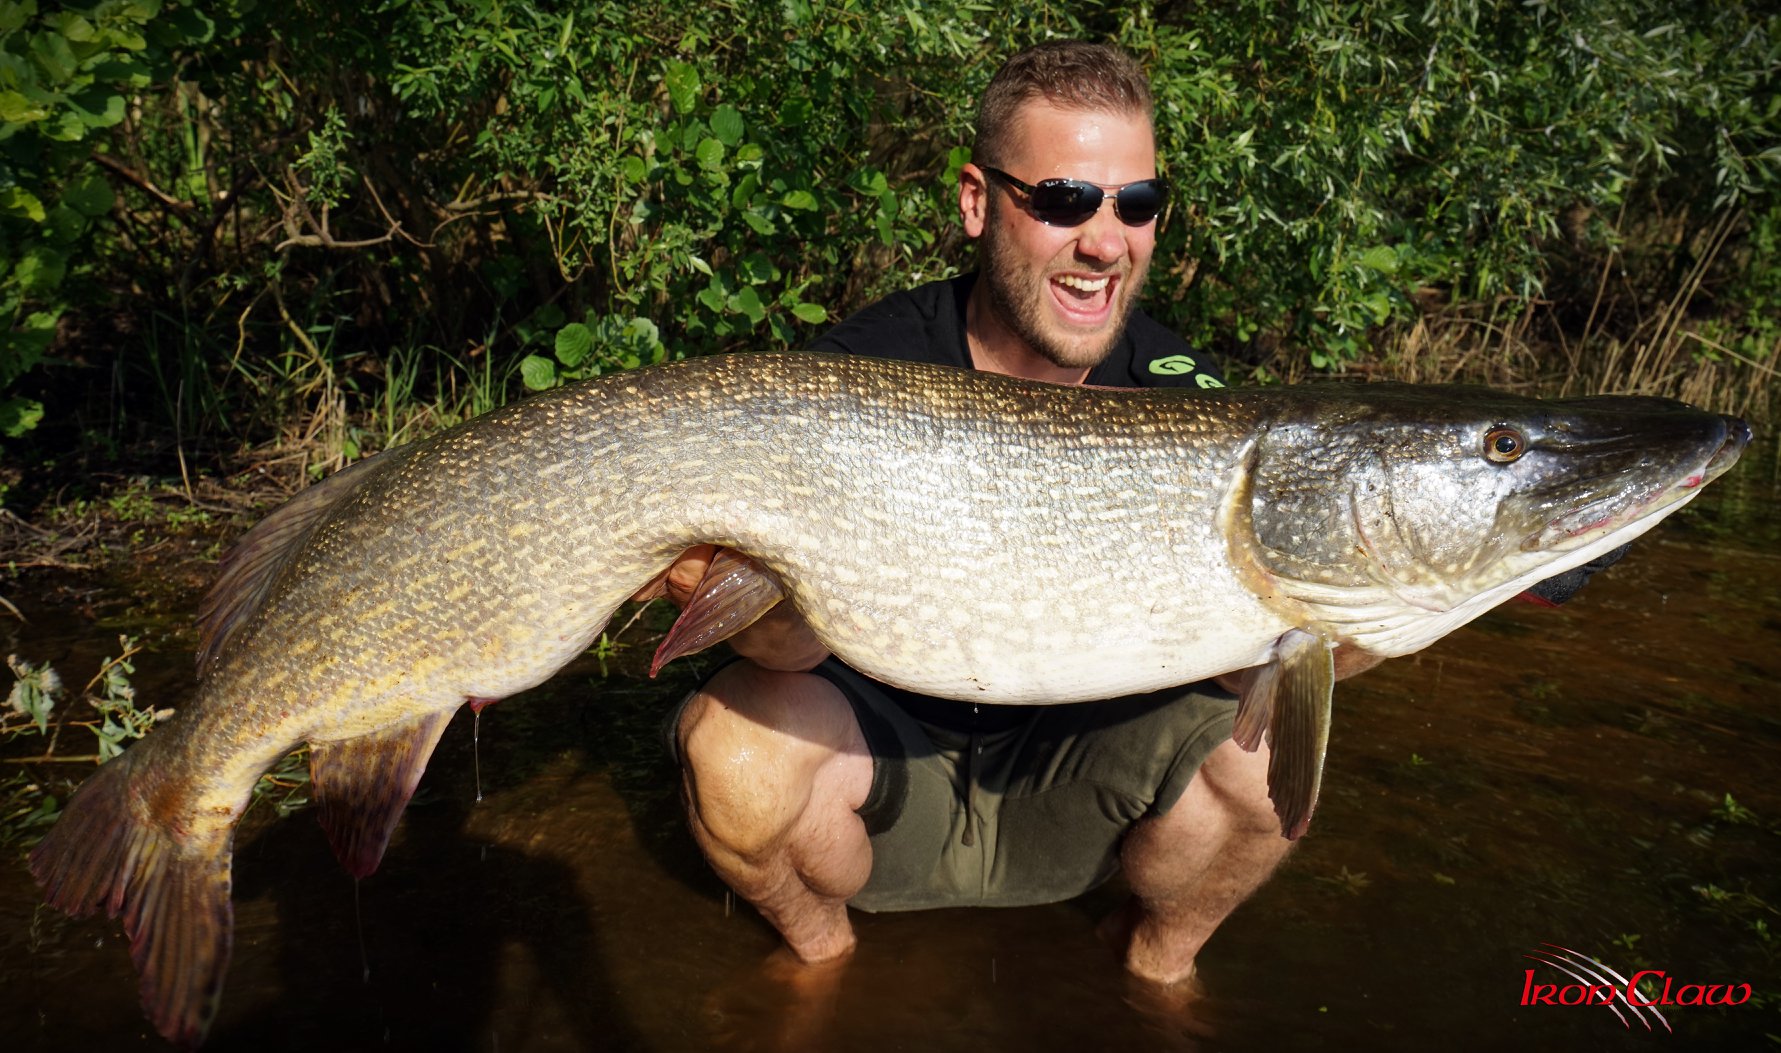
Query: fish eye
x=1504, y=445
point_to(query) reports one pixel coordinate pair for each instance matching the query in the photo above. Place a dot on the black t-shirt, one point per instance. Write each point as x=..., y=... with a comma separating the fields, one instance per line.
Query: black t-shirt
x=927, y=324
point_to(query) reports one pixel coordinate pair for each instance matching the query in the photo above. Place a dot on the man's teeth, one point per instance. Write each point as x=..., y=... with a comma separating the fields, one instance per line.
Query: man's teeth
x=1083, y=284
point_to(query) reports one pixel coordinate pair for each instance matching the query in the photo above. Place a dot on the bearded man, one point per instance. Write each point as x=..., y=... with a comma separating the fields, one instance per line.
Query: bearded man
x=811, y=788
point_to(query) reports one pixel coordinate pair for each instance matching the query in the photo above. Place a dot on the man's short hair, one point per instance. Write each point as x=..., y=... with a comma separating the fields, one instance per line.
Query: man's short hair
x=1072, y=74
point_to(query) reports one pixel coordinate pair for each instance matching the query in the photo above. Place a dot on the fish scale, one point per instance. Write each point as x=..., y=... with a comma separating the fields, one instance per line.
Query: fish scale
x=955, y=533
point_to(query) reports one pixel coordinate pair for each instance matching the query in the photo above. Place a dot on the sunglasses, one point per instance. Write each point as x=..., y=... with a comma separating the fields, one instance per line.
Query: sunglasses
x=1070, y=202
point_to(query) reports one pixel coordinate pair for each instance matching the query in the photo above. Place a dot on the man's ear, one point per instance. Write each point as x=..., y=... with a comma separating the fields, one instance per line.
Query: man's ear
x=973, y=200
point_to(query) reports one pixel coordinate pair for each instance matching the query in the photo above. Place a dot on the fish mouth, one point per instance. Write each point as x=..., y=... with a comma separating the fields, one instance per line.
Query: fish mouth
x=1608, y=514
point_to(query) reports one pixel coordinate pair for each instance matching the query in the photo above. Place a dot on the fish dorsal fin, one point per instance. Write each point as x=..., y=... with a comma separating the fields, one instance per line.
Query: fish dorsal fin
x=1291, y=697
x=362, y=784
x=250, y=568
x=732, y=595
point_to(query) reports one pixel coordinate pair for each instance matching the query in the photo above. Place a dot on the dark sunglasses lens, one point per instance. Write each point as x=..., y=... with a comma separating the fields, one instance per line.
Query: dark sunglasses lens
x=1141, y=202
x=1069, y=202
x=1065, y=202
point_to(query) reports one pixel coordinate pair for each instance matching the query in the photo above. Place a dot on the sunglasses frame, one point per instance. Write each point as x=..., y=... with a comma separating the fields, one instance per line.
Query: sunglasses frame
x=1105, y=190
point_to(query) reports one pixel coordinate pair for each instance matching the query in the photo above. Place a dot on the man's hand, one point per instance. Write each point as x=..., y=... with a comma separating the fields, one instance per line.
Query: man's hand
x=778, y=640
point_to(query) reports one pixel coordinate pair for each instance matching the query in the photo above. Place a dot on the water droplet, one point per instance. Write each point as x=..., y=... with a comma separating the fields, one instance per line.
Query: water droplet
x=358, y=920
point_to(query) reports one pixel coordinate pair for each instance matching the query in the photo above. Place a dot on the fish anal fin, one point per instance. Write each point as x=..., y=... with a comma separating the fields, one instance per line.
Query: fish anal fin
x=362, y=784
x=249, y=570
x=1299, y=731
x=173, y=897
x=732, y=595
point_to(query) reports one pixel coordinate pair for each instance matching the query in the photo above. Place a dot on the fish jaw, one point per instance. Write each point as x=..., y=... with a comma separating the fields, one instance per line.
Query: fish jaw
x=1587, y=525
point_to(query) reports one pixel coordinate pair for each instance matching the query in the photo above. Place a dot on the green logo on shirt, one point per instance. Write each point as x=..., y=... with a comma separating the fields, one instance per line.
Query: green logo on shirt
x=1172, y=366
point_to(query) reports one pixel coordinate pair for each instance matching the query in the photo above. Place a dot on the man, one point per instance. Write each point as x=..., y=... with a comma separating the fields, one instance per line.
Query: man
x=810, y=787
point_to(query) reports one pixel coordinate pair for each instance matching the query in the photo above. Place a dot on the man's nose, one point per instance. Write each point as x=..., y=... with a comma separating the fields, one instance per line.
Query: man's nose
x=1102, y=236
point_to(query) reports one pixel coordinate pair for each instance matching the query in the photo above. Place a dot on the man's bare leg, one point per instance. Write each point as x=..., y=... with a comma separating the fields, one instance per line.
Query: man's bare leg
x=1190, y=867
x=774, y=766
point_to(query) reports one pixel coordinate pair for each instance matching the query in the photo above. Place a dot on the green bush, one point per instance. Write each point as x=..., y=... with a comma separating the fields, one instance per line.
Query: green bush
x=267, y=210
x=66, y=76
x=1337, y=159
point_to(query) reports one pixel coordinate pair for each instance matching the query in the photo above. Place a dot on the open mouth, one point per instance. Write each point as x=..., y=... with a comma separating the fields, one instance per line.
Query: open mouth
x=1084, y=299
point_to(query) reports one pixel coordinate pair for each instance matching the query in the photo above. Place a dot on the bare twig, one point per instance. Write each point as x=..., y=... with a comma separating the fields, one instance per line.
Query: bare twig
x=142, y=183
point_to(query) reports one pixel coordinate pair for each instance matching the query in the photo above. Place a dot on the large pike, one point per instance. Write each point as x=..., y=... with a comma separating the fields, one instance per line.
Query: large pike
x=955, y=533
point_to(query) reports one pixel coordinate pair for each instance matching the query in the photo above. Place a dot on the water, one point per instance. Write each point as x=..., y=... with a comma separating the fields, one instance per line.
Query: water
x=1539, y=777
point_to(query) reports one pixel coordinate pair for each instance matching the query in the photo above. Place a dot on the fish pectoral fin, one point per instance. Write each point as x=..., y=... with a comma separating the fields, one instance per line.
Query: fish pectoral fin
x=732, y=595
x=1255, y=705
x=1299, y=732
x=363, y=784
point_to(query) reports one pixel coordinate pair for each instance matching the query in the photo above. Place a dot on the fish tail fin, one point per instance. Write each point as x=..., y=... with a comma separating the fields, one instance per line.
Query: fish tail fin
x=173, y=897
x=362, y=785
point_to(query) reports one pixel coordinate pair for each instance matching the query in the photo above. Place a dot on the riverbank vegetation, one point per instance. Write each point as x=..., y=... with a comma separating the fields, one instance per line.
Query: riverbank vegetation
x=269, y=239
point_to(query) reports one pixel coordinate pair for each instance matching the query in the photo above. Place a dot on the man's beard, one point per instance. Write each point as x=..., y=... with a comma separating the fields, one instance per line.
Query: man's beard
x=1020, y=302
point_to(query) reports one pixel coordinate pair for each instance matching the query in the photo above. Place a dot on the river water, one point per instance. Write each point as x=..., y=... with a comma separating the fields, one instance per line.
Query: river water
x=1542, y=777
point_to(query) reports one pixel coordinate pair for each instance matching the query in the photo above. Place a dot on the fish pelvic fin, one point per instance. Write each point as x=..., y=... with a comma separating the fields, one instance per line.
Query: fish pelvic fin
x=249, y=570
x=1292, y=696
x=173, y=897
x=363, y=784
x=732, y=595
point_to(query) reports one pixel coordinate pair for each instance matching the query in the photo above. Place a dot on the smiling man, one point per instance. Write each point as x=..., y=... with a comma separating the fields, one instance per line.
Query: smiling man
x=811, y=788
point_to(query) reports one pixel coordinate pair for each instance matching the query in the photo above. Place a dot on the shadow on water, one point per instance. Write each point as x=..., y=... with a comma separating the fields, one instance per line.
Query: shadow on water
x=1540, y=777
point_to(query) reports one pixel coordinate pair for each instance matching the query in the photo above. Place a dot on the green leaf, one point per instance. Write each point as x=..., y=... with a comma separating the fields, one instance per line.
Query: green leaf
x=54, y=57
x=682, y=81
x=98, y=109
x=192, y=25
x=16, y=109
x=538, y=372
x=761, y=224
x=815, y=314
x=574, y=342
x=635, y=170
x=1381, y=258
x=726, y=124
x=40, y=269
x=800, y=199
x=19, y=415
x=710, y=153
x=745, y=190
x=756, y=268
x=90, y=195
x=17, y=201
x=64, y=226
x=76, y=28
x=748, y=304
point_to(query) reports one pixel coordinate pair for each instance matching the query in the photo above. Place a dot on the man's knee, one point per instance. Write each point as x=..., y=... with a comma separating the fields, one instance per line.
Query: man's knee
x=1228, y=796
x=758, y=746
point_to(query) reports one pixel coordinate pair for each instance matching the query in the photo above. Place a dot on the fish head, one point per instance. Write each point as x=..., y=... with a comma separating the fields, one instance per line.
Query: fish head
x=1398, y=513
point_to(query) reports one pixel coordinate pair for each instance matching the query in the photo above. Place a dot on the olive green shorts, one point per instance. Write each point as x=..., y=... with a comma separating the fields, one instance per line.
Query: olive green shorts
x=1015, y=805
